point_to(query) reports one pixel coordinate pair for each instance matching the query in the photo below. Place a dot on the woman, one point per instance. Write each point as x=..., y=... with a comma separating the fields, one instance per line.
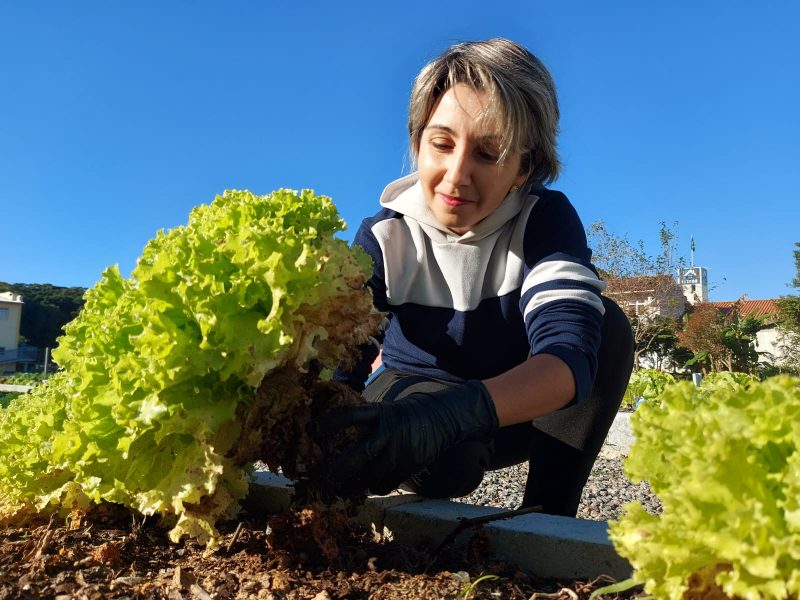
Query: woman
x=499, y=347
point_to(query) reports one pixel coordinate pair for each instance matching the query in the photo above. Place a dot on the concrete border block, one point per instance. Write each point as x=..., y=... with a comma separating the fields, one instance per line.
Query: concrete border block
x=543, y=545
x=558, y=546
x=376, y=508
x=269, y=492
x=9, y=387
x=432, y=521
x=620, y=436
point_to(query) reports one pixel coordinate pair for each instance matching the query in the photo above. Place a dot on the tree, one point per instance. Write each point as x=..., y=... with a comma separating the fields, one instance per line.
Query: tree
x=702, y=335
x=617, y=256
x=739, y=335
x=721, y=340
x=789, y=319
x=789, y=313
x=644, y=287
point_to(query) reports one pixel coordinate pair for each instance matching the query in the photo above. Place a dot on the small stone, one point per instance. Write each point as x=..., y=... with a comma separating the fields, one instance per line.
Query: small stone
x=199, y=593
x=129, y=580
x=183, y=579
x=460, y=577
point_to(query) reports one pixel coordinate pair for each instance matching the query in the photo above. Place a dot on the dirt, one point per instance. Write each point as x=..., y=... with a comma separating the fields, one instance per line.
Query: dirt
x=113, y=554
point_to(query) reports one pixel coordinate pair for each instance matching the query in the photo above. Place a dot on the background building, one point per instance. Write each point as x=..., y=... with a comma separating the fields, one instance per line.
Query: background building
x=10, y=317
x=647, y=296
x=694, y=281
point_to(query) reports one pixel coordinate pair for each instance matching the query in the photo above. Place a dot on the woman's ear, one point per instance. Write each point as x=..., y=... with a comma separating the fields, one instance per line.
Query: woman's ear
x=525, y=170
x=537, y=157
x=527, y=164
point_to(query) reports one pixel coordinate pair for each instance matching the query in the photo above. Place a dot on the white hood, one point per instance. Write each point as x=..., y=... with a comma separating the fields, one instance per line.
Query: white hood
x=405, y=197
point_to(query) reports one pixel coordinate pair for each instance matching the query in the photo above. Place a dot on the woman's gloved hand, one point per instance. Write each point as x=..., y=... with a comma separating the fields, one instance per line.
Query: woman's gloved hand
x=402, y=436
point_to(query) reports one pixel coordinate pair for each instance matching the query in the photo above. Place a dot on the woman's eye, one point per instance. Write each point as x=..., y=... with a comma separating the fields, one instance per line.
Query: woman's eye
x=441, y=145
x=488, y=155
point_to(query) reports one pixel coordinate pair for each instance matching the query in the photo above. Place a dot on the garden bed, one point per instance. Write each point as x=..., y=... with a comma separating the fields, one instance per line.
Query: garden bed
x=115, y=555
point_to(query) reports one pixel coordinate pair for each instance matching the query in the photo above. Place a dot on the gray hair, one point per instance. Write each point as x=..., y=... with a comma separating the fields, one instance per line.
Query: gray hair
x=520, y=94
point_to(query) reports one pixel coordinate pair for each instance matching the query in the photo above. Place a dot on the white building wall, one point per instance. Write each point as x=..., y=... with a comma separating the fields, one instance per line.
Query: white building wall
x=10, y=316
x=771, y=345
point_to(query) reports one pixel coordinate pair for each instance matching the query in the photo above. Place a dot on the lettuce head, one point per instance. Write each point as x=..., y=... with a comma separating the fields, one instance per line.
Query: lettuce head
x=157, y=367
x=726, y=466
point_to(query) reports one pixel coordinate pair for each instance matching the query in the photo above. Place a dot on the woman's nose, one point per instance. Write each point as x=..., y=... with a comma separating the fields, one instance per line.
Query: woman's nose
x=459, y=172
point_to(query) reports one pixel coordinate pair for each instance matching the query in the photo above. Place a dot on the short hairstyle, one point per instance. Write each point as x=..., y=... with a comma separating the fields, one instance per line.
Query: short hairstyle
x=520, y=94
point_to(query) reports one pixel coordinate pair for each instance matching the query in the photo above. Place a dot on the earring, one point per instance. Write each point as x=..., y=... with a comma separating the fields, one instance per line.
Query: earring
x=513, y=189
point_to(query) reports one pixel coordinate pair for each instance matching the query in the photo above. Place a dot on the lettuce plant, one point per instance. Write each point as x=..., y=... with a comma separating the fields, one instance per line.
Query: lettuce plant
x=730, y=380
x=159, y=368
x=647, y=384
x=726, y=467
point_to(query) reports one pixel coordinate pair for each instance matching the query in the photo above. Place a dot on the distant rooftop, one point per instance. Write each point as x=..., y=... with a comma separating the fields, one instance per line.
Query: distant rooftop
x=11, y=297
x=750, y=308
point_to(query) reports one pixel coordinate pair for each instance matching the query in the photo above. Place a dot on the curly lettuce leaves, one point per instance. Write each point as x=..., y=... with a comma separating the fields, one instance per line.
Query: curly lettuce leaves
x=647, y=384
x=726, y=467
x=158, y=368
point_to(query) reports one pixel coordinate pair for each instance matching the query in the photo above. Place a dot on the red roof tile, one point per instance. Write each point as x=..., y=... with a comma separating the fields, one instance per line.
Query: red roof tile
x=750, y=308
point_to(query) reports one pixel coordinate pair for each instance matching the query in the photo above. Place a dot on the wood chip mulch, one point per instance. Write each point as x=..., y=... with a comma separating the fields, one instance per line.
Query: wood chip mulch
x=118, y=556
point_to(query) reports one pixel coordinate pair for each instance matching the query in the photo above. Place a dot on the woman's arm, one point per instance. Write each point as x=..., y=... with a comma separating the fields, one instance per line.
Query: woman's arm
x=516, y=400
x=563, y=311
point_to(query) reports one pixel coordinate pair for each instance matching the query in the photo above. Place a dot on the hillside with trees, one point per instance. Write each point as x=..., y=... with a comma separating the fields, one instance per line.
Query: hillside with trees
x=46, y=310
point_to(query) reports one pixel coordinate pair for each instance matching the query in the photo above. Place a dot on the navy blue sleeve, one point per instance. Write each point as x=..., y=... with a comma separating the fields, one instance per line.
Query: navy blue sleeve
x=560, y=296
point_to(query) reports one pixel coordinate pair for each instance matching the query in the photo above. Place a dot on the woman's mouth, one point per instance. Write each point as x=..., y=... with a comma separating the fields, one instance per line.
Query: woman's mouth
x=452, y=200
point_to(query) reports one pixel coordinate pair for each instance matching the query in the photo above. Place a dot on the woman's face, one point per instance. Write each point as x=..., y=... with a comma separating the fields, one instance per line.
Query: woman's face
x=457, y=161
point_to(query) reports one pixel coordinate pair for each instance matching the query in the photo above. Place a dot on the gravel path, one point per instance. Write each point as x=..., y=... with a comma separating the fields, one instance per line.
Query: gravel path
x=605, y=494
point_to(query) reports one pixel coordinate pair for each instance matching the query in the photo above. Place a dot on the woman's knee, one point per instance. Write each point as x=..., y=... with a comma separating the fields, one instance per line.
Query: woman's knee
x=456, y=473
x=617, y=335
x=614, y=357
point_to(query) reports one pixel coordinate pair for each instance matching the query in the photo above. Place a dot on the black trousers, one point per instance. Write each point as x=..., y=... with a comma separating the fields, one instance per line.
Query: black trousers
x=561, y=447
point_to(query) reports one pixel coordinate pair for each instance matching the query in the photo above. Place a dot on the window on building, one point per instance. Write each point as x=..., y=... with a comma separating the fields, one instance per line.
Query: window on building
x=3, y=314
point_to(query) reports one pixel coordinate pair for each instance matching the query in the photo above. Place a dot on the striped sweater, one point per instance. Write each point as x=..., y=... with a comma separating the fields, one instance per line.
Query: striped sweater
x=473, y=306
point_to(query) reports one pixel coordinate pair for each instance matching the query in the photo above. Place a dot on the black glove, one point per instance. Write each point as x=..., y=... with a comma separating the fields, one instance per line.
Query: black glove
x=403, y=436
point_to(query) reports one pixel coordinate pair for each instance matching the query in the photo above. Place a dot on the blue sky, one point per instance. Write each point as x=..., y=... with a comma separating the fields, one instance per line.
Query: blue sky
x=116, y=118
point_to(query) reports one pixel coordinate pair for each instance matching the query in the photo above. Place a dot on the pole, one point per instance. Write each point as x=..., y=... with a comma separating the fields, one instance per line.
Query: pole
x=46, y=359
